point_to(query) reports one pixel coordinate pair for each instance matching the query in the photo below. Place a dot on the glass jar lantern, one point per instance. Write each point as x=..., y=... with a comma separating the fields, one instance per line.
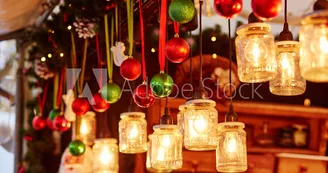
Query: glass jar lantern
x=200, y=125
x=231, y=153
x=313, y=37
x=180, y=117
x=148, y=159
x=88, y=128
x=133, y=132
x=105, y=154
x=255, y=53
x=166, y=148
x=288, y=81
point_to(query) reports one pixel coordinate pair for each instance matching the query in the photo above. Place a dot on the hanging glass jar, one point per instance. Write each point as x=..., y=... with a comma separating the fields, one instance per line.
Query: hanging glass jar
x=105, y=155
x=180, y=117
x=200, y=125
x=313, y=38
x=288, y=81
x=231, y=153
x=148, y=159
x=133, y=132
x=255, y=53
x=166, y=148
x=88, y=128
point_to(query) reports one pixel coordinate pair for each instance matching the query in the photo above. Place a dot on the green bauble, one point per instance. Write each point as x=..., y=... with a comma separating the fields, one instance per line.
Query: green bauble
x=76, y=147
x=182, y=11
x=111, y=92
x=53, y=114
x=162, y=85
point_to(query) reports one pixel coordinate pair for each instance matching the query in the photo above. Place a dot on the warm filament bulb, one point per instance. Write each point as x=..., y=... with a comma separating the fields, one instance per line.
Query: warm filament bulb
x=255, y=50
x=165, y=141
x=201, y=124
x=134, y=132
x=105, y=156
x=84, y=128
x=231, y=142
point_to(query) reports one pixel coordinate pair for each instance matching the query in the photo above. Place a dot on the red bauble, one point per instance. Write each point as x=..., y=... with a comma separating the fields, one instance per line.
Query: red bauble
x=99, y=105
x=50, y=124
x=177, y=50
x=228, y=8
x=38, y=123
x=143, y=96
x=80, y=106
x=130, y=69
x=266, y=9
x=61, y=124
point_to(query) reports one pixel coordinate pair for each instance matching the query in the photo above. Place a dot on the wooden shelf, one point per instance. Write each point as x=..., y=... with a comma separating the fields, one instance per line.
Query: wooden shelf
x=281, y=150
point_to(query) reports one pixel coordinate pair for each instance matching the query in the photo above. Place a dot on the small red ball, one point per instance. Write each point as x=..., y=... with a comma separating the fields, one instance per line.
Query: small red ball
x=80, y=106
x=266, y=9
x=50, y=124
x=61, y=124
x=177, y=50
x=38, y=123
x=130, y=69
x=99, y=104
x=228, y=8
x=143, y=96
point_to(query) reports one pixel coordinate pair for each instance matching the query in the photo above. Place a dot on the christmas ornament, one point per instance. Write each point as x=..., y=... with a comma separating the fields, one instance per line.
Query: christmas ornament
x=53, y=114
x=61, y=124
x=80, y=106
x=228, y=8
x=182, y=11
x=118, y=53
x=266, y=9
x=177, y=50
x=38, y=123
x=130, y=69
x=41, y=69
x=143, y=96
x=50, y=124
x=68, y=100
x=76, y=147
x=99, y=104
x=86, y=28
x=162, y=85
x=111, y=92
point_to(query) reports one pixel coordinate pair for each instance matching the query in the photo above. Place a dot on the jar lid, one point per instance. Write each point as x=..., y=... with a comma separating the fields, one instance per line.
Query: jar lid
x=182, y=107
x=166, y=127
x=132, y=115
x=315, y=18
x=110, y=140
x=231, y=125
x=260, y=25
x=201, y=102
x=289, y=42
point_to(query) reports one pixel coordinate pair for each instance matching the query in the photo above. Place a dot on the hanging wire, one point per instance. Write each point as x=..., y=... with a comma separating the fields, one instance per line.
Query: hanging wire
x=230, y=61
x=285, y=12
x=190, y=67
x=201, y=44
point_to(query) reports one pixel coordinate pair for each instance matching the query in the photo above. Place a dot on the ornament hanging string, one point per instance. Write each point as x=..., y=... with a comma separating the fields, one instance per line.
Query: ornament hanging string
x=83, y=65
x=230, y=60
x=201, y=44
x=56, y=82
x=61, y=85
x=116, y=23
x=162, y=35
x=129, y=7
x=42, y=101
x=108, y=54
x=74, y=61
x=99, y=60
x=176, y=28
x=144, y=73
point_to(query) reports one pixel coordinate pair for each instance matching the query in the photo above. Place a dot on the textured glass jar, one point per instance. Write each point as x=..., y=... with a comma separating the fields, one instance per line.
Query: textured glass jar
x=105, y=156
x=88, y=128
x=148, y=165
x=255, y=52
x=180, y=117
x=166, y=148
x=313, y=37
x=200, y=125
x=288, y=81
x=231, y=153
x=133, y=132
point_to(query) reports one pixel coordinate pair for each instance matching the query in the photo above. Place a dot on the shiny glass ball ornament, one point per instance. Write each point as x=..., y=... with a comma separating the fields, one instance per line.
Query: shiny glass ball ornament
x=38, y=123
x=130, y=69
x=76, y=147
x=182, y=11
x=80, y=106
x=266, y=9
x=143, y=96
x=50, y=124
x=61, y=124
x=177, y=50
x=53, y=114
x=162, y=85
x=228, y=8
x=111, y=92
x=100, y=104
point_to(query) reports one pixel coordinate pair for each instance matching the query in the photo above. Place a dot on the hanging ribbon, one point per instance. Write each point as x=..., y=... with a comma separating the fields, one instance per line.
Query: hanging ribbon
x=108, y=54
x=61, y=85
x=129, y=7
x=116, y=23
x=83, y=65
x=162, y=35
x=56, y=81
x=42, y=101
x=144, y=73
x=176, y=28
x=74, y=62
x=99, y=60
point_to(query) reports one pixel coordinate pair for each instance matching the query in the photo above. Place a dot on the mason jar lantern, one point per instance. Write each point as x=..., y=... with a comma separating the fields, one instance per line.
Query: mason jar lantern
x=88, y=128
x=148, y=159
x=133, y=132
x=105, y=154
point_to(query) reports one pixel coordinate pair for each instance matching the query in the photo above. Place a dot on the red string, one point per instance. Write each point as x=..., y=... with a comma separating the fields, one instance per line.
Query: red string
x=99, y=60
x=162, y=35
x=176, y=27
x=42, y=101
x=144, y=75
x=59, y=96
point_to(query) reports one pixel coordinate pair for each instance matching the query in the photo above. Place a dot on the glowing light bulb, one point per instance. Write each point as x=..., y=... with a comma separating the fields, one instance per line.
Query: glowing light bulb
x=61, y=54
x=161, y=153
x=106, y=156
x=213, y=39
x=49, y=55
x=231, y=141
x=134, y=132
x=201, y=124
x=165, y=141
x=84, y=128
x=319, y=43
x=214, y=55
x=153, y=50
x=256, y=51
x=69, y=27
x=287, y=64
x=43, y=59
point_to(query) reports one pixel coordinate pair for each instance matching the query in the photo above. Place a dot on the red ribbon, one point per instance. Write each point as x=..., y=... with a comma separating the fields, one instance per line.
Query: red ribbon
x=99, y=60
x=162, y=35
x=144, y=73
x=176, y=27
x=61, y=82
x=42, y=101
